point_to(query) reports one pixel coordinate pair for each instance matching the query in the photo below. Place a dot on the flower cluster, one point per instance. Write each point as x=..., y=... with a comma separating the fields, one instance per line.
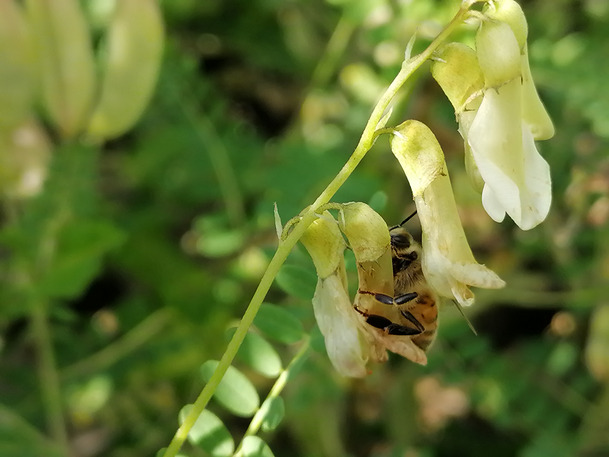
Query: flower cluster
x=500, y=116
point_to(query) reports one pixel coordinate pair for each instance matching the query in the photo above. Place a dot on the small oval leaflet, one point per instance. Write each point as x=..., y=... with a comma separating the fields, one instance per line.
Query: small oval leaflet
x=235, y=392
x=273, y=410
x=209, y=433
x=259, y=354
x=254, y=446
x=279, y=324
x=297, y=281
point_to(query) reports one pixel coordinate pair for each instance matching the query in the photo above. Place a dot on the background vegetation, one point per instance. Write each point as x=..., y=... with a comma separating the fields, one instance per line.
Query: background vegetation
x=171, y=225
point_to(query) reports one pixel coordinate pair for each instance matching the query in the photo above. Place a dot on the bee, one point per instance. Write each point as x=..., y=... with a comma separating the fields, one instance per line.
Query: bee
x=415, y=300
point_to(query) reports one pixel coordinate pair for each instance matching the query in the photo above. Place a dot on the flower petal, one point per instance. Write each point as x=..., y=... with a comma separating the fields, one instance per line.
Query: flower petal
x=533, y=111
x=538, y=183
x=340, y=326
x=495, y=138
x=492, y=205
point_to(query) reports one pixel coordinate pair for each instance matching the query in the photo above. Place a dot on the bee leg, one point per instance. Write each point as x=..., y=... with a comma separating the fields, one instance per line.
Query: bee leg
x=408, y=315
x=391, y=328
x=401, y=299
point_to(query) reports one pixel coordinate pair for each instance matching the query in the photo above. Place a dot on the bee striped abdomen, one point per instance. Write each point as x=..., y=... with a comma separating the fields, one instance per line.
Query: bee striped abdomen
x=426, y=312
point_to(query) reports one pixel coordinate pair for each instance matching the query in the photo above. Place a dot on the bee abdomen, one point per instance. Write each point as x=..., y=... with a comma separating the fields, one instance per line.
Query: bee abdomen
x=425, y=339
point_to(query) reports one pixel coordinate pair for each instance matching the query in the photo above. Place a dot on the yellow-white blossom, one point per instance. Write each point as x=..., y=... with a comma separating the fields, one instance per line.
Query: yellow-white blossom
x=369, y=238
x=448, y=263
x=351, y=342
x=339, y=324
x=500, y=116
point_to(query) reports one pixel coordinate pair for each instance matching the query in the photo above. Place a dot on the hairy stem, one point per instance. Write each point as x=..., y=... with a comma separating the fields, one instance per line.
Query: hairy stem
x=307, y=217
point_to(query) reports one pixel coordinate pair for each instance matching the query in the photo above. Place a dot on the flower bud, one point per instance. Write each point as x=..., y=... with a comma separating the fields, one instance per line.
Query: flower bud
x=17, y=71
x=533, y=111
x=66, y=61
x=511, y=13
x=132, y=61
x=498, y=53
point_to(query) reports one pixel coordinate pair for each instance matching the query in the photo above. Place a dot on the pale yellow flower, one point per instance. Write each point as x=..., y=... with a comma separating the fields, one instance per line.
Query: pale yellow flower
x=500, y=116
x=448, y=263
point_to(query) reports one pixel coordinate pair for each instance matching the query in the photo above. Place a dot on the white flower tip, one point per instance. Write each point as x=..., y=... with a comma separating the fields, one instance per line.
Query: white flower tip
x=476, y=275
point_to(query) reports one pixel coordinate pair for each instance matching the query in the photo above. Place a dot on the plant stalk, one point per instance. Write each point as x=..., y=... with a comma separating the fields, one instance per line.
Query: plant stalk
x=308, y=216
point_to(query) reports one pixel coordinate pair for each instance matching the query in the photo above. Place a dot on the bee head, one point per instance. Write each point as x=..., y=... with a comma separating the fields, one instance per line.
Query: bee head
x=403, y=244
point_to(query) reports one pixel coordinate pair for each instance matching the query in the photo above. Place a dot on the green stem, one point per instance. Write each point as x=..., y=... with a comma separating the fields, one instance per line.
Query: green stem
x=275, y=391
x=220, y=161
x=286, y=245
x=48, y=376
x=109, y=355
x=209, y=139
x=335, y=48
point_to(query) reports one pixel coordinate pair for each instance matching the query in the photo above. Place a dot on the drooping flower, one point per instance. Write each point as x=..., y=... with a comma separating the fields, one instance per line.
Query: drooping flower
x=350, y=341
x=347, y=349
x=500, y=117
x=448, y=263
x=369, y=238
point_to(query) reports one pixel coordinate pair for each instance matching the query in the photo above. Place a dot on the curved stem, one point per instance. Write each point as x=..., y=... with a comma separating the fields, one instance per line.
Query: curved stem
x=275, y=391
x=113, y=352
x=286, y=245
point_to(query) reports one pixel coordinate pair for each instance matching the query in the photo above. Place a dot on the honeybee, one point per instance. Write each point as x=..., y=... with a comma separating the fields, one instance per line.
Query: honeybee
x=415, y=300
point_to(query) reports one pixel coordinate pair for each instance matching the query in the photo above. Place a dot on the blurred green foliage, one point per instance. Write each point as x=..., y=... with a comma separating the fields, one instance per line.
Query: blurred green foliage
x=159, y=237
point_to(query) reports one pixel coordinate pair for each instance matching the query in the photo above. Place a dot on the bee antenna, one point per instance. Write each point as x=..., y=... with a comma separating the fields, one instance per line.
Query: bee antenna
x=404, y=221
x=469, y=323
x=408, y=218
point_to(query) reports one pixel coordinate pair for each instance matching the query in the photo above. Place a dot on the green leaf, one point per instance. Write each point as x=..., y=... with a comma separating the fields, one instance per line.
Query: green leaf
x=221, y=243
x=297, y=281
x=378, y=201
x=254, y=446
x=279, y=324
x=235, y=392
x=259, y=354
x=209, y=433
x=80, y=249
x=273, y=410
